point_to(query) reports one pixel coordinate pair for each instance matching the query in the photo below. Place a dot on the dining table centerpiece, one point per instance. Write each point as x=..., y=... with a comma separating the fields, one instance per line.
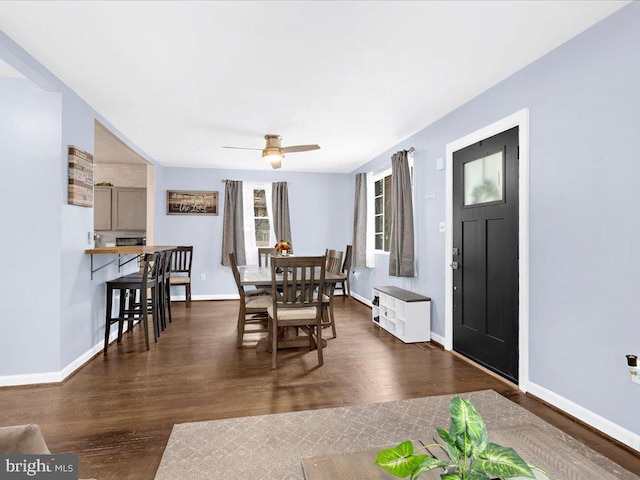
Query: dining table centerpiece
x=283, y=247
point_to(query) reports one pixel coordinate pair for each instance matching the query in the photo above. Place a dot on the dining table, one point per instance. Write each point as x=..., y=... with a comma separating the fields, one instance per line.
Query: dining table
x=257, y=276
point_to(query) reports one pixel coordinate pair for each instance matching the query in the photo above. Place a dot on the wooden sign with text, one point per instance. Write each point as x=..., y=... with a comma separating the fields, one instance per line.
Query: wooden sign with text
x=192, y=202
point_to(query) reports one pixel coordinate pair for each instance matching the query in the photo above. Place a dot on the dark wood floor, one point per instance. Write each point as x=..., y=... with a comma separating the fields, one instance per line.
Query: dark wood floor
x=117, y=412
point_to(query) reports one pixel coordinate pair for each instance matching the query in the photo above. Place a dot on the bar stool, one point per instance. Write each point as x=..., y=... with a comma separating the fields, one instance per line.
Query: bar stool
x=160, y=294
x=134, y=283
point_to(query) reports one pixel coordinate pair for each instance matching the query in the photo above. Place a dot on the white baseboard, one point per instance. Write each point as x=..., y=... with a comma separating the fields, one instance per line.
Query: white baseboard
x=361, y=299
x=195, y=298
x=59, y=376
x=592, y=419
x=437, y=338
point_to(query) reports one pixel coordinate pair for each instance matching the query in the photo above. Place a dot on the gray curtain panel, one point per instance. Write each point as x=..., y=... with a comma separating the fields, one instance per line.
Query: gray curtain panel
x=233, y=223
x=359, y=251
x=281, y=221
x=401, y=246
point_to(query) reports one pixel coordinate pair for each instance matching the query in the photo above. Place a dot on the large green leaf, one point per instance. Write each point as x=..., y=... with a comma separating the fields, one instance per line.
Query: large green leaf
x=450, y=446
x=399, y=460
x=476, y=476
x=466, y=419
x=450, y=476
x=502, y=462
x=464, y=445
x=427, y=464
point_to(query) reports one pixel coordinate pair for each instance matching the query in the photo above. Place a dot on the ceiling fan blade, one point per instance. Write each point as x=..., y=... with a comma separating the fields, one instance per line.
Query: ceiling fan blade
x=243, y=148
x=300, y=148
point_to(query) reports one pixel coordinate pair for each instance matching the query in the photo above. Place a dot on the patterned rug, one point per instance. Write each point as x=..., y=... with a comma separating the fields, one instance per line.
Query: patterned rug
x=271, y=447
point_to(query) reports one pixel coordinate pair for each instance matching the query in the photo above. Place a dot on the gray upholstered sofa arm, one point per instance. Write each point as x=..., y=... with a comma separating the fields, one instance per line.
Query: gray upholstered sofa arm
x=23, y=439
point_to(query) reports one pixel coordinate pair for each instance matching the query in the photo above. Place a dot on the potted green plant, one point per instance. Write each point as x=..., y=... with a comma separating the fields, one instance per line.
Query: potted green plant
x=469, y=454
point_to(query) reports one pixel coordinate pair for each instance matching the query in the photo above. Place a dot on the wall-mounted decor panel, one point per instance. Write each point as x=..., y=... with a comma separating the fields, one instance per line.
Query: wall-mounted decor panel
x=192, y=202
x=80, y=177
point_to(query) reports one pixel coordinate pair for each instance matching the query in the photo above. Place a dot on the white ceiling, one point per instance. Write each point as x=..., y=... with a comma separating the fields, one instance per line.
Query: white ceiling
x=182, y=79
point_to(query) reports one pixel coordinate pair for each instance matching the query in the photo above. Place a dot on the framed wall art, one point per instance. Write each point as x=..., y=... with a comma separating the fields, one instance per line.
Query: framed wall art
x=80, y=177
x=192, y=202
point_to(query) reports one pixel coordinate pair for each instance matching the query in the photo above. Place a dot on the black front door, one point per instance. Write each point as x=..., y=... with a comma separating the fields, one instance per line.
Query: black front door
x=485, y=253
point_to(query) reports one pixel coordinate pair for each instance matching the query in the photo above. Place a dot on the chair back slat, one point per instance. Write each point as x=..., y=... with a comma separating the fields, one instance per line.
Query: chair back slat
x=334, y=261
x=236, y=275
x=264, y=253
x=181, y=260
x=302, y=281
x=346, y=266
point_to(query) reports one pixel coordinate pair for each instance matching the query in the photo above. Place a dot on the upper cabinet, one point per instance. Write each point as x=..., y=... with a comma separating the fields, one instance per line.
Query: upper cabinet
x=120, y=208
x=102, y=208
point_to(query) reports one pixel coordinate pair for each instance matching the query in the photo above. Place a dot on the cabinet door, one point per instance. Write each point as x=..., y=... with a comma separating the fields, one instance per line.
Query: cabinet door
x=130, y=209
x=102, y=208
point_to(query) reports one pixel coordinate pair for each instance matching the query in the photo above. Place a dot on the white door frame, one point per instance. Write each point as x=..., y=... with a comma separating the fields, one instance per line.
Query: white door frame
x=519, y=119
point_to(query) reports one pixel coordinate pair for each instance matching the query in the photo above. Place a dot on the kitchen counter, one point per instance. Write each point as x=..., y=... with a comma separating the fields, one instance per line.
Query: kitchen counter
x=136, y=250
x=128, y=250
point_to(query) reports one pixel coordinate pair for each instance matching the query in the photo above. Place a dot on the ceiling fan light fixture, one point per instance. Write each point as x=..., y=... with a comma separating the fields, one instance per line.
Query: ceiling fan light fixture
x=274, y=152
x=274, y=156
x=276, y=162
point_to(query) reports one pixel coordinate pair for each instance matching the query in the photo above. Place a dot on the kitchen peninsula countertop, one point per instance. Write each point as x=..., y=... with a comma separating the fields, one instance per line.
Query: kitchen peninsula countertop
x=128, y=250
x=123, y=250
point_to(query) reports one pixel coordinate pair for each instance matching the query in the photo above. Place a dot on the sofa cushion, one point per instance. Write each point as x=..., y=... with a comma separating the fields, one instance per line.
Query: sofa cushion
x=24, y=439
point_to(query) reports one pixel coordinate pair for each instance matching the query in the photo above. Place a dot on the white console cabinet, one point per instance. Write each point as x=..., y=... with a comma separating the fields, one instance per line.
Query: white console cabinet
x=405, y=314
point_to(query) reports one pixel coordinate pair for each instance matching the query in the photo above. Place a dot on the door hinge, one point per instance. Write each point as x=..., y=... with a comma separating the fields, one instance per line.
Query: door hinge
x=518, y=154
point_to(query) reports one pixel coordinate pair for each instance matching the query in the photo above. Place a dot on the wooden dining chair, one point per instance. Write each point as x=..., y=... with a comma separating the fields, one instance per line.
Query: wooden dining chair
x=181, y=261
x=346, y=269
x=298, y=302
x=253, y=308
x=334, y=264
x=264, y=253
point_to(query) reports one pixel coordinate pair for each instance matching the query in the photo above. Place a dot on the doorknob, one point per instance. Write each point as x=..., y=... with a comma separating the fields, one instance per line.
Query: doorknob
x=454, y=265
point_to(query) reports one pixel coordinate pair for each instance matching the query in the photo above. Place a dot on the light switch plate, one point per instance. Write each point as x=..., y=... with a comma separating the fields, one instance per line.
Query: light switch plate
x=440, y=164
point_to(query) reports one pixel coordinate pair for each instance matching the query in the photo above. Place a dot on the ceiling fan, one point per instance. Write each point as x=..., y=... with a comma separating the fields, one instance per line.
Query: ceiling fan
x=274, y=151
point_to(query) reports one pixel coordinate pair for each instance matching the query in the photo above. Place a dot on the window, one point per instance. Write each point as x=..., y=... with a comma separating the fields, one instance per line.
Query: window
x=382, y=211
x=382, y=207
x=257, y=213
x=261, y=218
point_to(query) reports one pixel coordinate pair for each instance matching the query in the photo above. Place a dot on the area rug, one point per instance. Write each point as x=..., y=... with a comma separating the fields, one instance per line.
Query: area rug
x=271, y=447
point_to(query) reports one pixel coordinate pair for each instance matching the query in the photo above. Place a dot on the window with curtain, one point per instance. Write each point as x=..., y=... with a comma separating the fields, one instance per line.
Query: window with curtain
x=381, y=200
x=258, y=219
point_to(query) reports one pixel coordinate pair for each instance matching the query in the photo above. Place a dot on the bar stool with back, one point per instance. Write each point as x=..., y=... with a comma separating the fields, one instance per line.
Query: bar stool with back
x=134, y=283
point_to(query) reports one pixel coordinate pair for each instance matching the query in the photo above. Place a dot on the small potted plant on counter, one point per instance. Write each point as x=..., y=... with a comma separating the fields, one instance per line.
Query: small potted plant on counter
x=468, y=454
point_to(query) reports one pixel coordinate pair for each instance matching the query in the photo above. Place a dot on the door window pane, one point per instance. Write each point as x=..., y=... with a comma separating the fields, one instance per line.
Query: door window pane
x=483, y=180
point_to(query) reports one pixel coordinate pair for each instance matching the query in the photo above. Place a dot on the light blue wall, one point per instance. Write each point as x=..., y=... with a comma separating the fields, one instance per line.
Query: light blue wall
x=30, y=126
x=320, y=218
x=584, y=100
x=56, y=312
